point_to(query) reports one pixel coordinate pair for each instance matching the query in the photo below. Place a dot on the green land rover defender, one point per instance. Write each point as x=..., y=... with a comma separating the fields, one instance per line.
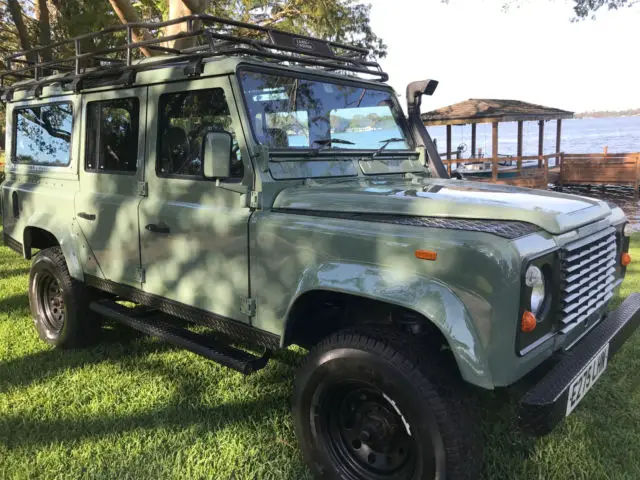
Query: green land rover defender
x=269, y=187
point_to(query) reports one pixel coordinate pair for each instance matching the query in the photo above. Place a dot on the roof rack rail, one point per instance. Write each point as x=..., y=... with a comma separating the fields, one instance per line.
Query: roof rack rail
x=112, y=60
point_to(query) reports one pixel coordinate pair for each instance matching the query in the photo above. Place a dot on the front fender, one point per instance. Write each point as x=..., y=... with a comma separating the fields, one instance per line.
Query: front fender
x=424, y=295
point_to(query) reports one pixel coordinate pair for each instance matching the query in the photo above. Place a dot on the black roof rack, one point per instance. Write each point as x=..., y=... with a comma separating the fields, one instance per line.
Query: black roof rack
x=85, y=58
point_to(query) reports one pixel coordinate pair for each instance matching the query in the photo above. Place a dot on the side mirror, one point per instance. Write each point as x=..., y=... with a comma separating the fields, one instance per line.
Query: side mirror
x=415, y=91
x=216, y=154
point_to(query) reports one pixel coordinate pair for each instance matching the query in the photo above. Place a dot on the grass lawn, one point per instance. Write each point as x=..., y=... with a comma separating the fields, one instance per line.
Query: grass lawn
x=133, y=407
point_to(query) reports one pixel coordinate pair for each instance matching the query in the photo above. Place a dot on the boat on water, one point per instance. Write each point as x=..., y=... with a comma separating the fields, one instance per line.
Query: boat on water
x=481, y=168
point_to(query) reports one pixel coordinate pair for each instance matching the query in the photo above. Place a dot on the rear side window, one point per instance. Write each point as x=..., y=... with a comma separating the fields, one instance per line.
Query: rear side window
x=184, y=119
x=112, y=136
x=42, y=135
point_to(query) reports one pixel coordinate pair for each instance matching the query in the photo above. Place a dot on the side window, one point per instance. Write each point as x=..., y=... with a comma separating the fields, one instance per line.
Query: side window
x=42, y=135
x=112, y=136
x=184, y=119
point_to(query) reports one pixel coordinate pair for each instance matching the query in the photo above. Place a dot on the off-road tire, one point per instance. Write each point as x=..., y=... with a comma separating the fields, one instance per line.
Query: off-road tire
x=59, y=303
x=424, y=388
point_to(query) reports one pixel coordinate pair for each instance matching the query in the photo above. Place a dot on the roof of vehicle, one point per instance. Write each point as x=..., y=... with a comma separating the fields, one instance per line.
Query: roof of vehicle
x=477, y=110
x=224, y=42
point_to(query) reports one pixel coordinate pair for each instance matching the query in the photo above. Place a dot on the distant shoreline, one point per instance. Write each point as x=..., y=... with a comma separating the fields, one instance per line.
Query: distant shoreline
x=634, y=112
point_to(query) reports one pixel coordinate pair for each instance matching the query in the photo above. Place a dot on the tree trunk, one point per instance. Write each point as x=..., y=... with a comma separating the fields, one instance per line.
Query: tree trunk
x=182, y=8
x=44, y=27
x=127, y=14
x=16, y=16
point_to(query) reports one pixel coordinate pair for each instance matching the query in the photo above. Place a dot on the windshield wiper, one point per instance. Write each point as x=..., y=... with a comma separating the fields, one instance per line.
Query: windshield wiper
x=386, y=143
x=330, y=141
x=326, y=143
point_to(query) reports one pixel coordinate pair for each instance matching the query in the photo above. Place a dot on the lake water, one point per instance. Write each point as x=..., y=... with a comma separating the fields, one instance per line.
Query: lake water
x=587, y=135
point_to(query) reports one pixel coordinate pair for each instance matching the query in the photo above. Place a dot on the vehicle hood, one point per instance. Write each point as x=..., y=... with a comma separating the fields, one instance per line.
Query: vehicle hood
x=554, y=212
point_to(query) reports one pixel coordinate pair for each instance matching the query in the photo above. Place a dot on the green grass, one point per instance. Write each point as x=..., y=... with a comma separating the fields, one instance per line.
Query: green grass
x=133, y=407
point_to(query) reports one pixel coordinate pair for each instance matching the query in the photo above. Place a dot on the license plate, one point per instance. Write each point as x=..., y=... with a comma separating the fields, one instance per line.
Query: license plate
x=587, y=377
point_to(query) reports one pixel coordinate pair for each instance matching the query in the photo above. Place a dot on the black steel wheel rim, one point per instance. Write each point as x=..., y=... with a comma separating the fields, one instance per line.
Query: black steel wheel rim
x=51, y=302
x=365, y=433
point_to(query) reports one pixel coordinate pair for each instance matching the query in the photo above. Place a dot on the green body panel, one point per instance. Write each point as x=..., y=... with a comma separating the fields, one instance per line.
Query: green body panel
x=551, y=211
x=258, y=238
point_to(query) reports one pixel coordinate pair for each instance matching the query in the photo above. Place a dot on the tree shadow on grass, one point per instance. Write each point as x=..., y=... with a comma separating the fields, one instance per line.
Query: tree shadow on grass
x=19, y=301
x=116, y=344
x=7, y=273
x=18, y=430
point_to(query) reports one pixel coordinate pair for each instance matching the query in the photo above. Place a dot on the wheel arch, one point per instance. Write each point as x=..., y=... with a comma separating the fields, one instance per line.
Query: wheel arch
x=41, y=233
x=419, y=305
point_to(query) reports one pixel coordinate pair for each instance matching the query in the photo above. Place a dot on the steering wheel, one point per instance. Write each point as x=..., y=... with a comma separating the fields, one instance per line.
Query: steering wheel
x=210, y=128
x=321, y=117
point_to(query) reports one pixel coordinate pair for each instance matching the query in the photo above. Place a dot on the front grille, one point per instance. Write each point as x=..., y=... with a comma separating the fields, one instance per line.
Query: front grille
x=588, y=268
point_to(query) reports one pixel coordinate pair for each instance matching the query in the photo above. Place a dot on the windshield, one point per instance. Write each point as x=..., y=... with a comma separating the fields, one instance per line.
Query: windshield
x=288, y=112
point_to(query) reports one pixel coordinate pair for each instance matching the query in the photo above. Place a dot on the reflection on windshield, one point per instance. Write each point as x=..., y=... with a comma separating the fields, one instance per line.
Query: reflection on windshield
x=289, y=112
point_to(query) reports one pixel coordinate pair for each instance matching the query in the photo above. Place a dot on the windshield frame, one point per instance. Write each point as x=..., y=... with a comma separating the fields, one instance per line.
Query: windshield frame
x=396, y=111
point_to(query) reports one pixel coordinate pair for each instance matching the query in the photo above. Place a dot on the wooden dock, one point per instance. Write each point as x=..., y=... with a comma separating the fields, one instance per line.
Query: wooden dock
x=600, y=169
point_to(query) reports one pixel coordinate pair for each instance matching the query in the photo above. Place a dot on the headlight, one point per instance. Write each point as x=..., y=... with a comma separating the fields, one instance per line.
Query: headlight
x=627, y=230
x=534, y=279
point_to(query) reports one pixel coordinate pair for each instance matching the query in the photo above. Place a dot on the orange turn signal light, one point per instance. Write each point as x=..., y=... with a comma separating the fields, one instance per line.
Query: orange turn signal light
x=426, y=255
x=625, y=259
x=529, y=322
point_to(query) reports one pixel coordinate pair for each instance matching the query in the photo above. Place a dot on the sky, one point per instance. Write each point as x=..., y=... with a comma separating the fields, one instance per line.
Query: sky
x=532, y=52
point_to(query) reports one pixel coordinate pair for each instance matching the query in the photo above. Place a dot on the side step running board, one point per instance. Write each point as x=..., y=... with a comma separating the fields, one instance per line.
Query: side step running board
x=155, y=324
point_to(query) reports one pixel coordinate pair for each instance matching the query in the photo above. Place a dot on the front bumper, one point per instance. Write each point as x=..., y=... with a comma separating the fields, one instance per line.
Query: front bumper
x=544, y=405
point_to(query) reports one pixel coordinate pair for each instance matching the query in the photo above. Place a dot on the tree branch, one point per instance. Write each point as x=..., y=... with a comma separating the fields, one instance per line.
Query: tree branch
x=128, y=14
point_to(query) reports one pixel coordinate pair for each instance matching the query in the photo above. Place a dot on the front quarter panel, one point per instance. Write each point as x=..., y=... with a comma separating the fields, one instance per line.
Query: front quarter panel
x=467, y=292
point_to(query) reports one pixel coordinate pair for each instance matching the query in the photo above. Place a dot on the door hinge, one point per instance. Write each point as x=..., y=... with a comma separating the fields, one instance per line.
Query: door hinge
x=248, y=306
x=141, y=274
x=255, y=199
x=143, y=189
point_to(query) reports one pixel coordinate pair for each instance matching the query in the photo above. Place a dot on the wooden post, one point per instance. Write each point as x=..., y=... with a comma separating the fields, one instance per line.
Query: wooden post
x=561, y=179
x=473, y=140
x=494, y=146
x=606, y=150
x=546, y=172
x=558, y=139
x=449, y=148
x=637, y=179
x=540, y=142
x=519, y=152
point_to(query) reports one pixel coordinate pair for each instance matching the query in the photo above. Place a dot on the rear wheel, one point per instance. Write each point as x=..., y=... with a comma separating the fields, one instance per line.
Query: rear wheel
x=369, y=405
x=59, y=303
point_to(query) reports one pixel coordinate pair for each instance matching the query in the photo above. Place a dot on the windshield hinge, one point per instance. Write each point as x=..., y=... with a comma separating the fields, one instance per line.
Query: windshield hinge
x=248, y=306
x=141, y=275
x=142, y=189
x=255, y=199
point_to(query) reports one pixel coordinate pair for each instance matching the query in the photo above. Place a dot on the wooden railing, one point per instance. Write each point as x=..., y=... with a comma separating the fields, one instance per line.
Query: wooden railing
x=601, y=169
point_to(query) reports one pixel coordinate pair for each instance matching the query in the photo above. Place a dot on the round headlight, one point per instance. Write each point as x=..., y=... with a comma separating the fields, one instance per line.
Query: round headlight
x=627, y=230
x=534, y=279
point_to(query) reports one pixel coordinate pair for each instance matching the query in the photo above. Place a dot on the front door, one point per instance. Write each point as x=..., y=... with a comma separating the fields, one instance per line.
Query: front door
x=111, y=169
x=193, y=231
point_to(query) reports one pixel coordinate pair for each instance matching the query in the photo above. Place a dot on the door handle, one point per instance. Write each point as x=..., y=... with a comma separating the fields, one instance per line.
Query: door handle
x=87, y=216
x=152, y=227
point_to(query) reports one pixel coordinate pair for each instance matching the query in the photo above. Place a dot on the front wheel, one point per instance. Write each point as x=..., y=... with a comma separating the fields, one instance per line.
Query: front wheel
x=369, y=404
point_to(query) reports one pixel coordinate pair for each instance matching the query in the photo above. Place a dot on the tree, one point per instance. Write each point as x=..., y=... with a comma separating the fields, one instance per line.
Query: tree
x=584, y=8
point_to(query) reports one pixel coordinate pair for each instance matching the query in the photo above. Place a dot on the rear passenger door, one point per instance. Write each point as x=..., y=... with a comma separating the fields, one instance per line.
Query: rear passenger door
x=111, y=169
